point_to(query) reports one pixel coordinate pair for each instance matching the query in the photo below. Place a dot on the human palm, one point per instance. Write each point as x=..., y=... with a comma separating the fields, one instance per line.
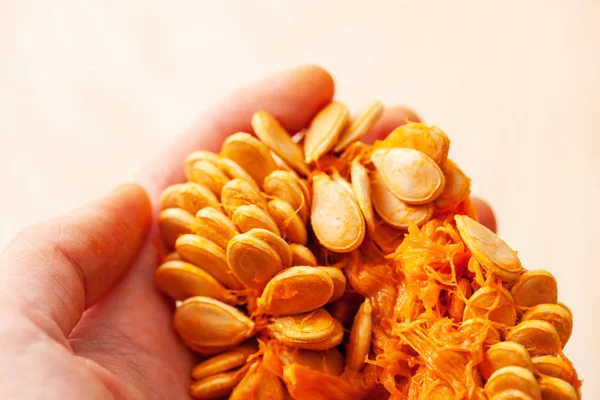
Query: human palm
x=80, y=314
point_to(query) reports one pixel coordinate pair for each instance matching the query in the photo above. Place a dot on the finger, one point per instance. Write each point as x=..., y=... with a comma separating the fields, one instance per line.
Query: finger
x=391, y=118
x=143, y=316
x=55, y=270
x=485, y=213
x=293, y=97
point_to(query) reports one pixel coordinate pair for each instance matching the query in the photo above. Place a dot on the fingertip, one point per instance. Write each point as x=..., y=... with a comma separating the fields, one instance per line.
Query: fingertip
x=317, y=76
x=402, y=115
x=132, y=206
x=391, y=118
x=485, y=214
x=133, y=195
x=130, y=190
x=307, y=89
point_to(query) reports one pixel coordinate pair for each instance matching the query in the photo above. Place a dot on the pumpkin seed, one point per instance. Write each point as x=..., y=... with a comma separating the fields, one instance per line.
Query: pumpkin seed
x=198, y=155
x=247, y=387
x=252, y=261
x=563, y=305
x=189, y=196
x=511, y=394
x=282, y=165
x=173, y=222
x=209, y=256
x=395, y=211
x=552, y=366
x=491, y=251
x=226, y=361
x=249, y=216
x=456, y=189
x=361, y=187
x=495, y=303
x=409, y=174
x=212, y=224
x=296, y=290
x=359, y=344
x=316, y=330
x=205, y=323
x=284, y=185
x=556, y=389
x=359, y=125
x=250, y=154
x=324, y=131
x=216, y=386
x=270, y=131
x=301, y=255
x=339, y=282
x=306, y=191
x=259, y=384
x=511, y=378
x=538, y=337
x=554, y=314
x=504, y=354
x=181, y=280
x=238, y=192
x=387, y=237
x=534, y=287
x=288, y=221
x=427, y=139
x=336, y=218
x=207, y=174
x=233, y=170
x=277, y=243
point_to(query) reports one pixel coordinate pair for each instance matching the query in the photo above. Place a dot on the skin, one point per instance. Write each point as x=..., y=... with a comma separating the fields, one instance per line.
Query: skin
x=80, y=316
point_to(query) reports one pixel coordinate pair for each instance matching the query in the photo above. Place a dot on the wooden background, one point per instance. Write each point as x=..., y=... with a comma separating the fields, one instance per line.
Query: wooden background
x=88, y=90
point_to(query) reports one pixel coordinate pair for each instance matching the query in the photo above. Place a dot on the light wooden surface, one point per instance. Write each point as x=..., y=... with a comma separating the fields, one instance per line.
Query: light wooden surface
x=88, y=90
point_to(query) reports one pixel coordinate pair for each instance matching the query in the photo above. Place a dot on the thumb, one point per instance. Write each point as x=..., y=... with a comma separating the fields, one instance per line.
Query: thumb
x=53, y=271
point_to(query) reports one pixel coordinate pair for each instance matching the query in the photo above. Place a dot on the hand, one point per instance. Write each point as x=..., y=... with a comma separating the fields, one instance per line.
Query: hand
x=80, y=316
